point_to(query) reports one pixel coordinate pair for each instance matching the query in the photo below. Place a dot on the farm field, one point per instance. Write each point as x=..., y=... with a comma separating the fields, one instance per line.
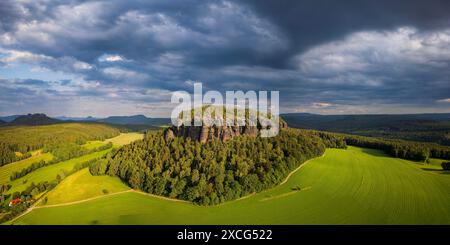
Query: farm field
x=353, y=186
x=82, y=185
x=8, y=169
x=125, y=138
x=120, y=140
x=49, y=173
x=93, y=144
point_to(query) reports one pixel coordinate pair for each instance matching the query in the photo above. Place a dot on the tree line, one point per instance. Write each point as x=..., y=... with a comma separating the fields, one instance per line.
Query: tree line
x=28, y=138
x=416, y=151
x=410, y=150
x=61, y=153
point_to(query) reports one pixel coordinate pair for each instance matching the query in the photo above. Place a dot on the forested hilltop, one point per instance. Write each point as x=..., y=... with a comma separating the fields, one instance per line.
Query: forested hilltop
x=59, y=138
x=213, y=172
x=433, y=127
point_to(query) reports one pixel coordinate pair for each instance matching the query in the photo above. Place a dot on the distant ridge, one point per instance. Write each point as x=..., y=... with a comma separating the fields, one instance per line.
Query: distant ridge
x=357, y=122
x=84, y=119
x=135, y=120
x=9, y=118
x=430, y=127
x=33, y=120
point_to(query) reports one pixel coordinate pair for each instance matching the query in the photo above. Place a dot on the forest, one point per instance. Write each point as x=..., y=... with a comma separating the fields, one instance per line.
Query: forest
x=215, y=172
x=57, y=138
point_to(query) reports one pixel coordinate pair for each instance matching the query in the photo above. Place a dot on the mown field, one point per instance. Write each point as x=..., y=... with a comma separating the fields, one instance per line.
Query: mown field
x=353, y=186
x=120, y=140
x=82, y=185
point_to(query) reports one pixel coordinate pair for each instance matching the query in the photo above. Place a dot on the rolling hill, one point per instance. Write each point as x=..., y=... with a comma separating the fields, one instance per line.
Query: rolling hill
x=33, y=120
x=135, y=120
x=9, y=118
x=353, y=186
x=26, y=138
x=416, y=127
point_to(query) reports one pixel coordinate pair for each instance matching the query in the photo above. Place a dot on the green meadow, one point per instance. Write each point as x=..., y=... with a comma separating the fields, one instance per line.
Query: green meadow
x=82, y=185
x=125, y=138
x=49, y=173
x=353, y=186
x=120, y=140
x=8, y=169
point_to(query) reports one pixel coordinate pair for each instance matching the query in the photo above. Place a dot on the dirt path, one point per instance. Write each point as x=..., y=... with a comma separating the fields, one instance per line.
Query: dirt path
x=34, y=206
x=81, y=201
x=160, y=197
x=299, y=167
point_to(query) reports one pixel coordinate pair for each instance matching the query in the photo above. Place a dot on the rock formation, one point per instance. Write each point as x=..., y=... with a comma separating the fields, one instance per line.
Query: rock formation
x=209, y=133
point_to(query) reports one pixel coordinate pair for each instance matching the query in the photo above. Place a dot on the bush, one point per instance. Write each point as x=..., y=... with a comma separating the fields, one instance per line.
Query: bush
x=445, y=165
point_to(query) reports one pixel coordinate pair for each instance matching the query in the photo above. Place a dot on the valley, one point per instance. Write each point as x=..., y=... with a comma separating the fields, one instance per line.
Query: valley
x=91, y=173
x=352, y=186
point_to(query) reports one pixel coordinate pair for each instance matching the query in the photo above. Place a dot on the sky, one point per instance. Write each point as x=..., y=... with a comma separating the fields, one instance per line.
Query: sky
x=101, y=58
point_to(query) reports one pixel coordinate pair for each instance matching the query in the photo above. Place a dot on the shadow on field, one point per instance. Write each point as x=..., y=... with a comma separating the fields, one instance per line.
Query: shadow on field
x=441, y=171
x=373, y=152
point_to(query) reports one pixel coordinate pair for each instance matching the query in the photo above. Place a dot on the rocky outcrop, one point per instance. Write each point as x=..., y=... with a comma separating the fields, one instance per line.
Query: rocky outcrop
x=208, y=133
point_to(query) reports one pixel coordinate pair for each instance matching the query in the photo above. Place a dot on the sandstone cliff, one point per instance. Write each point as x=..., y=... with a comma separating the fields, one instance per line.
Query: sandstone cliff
x=208, y=133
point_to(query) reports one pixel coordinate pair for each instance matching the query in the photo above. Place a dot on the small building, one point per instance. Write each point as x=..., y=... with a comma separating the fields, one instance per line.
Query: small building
x=15, y=202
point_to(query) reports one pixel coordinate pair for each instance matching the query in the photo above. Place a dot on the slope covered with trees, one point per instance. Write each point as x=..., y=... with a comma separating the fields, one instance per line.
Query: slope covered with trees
x=214, y=172
x=33, y=120
x=56, y=138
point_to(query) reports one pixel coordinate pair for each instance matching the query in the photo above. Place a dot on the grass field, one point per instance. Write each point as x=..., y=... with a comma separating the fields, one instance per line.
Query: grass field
x=120, y=140
x=433, y=164
x=82, y=185
x=125, y=138
x=49, y=173
x=8, y=169
x=353, y=186
x=93, y=144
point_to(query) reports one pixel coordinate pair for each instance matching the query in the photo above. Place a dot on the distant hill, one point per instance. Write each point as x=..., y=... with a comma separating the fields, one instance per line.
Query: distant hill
x=121, y=120
x=2, y=122
x=33, y=120
x=9, y=118
x=433, y=127
x=135, y=120
x=84, y=119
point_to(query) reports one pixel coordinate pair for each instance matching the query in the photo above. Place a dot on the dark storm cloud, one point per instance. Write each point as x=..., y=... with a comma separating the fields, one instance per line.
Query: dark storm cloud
x=319, y=54
x=311, y=22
